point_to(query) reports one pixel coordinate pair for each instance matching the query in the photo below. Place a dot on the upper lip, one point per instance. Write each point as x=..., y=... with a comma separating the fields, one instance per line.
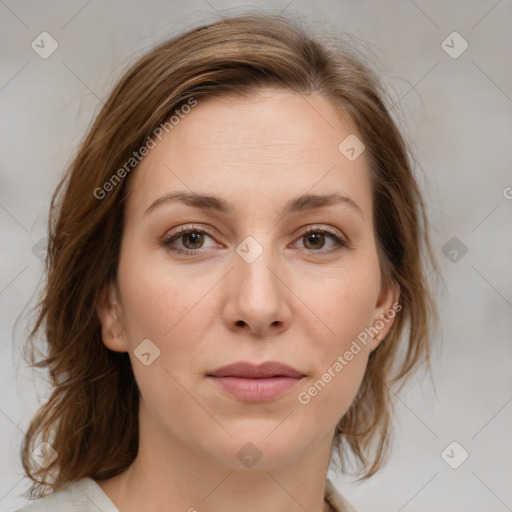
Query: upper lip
x=251, y=371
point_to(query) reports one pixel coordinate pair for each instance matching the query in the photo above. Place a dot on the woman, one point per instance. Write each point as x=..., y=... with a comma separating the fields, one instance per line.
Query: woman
x=235, y=279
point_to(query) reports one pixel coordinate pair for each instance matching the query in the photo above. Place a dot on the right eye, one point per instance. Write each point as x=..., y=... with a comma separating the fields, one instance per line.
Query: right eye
x=191, y=239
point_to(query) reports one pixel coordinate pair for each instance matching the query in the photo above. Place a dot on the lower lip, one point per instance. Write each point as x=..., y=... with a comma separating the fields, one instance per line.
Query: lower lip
x=256, y=390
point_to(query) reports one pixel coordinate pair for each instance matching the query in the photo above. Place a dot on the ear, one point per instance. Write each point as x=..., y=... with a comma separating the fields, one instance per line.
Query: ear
x=386, y=309
x=108, y=311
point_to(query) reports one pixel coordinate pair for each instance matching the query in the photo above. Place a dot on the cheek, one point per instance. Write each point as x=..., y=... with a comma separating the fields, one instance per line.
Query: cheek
x=343, y=304
x=331, y=393
x=340, y=347
x=163, y=306
x=172, y=309
x=159, y=298
x=340, y=363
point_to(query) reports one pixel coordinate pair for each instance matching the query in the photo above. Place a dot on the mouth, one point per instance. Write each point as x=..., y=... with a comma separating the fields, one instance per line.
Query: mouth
x=256, y=383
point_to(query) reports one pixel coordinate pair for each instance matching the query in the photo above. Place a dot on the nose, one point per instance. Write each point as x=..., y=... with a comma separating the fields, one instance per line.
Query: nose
x=258, y=296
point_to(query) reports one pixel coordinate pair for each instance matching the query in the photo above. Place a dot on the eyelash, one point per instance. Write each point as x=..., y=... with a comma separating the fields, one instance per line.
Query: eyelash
x=340, y=242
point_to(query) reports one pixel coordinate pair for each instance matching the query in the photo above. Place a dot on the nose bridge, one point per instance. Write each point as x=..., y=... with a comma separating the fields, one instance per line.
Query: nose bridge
x=254, y=262
x=260, y=298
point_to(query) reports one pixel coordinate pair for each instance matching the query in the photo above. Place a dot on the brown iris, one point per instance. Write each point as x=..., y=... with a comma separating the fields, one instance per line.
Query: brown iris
x=316, y=237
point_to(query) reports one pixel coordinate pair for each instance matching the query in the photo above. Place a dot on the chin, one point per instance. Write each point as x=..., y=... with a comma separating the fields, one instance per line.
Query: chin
x=261, y=449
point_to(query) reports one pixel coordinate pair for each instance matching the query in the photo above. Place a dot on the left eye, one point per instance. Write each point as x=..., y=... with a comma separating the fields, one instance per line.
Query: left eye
x=317, y=237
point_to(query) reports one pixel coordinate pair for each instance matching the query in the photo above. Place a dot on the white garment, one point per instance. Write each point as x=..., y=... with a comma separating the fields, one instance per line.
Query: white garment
x=87, y=496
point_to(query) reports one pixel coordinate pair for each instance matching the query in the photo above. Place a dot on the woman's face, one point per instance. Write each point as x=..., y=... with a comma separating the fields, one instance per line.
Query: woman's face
x=258, y=276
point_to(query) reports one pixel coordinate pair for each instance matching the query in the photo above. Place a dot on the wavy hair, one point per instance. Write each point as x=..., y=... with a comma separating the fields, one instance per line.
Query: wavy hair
x=91, y=416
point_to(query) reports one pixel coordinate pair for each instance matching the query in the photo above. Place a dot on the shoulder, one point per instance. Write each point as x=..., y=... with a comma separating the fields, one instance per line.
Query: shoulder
x=335, y=499
x=81, y=496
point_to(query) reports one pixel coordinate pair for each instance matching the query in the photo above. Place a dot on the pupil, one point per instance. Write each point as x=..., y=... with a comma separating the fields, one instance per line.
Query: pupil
x=195, y=238
x=318, y=238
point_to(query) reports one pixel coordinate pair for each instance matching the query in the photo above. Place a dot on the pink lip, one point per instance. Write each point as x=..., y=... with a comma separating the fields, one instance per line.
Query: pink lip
x=251, y=383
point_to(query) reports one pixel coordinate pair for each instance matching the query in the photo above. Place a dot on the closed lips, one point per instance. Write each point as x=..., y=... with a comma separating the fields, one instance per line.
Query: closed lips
x=262, y=371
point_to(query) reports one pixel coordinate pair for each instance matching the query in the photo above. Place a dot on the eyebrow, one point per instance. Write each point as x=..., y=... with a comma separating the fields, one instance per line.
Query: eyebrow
x=299, y=204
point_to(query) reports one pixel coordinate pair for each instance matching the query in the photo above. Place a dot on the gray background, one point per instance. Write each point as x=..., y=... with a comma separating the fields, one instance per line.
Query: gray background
x=458, y=113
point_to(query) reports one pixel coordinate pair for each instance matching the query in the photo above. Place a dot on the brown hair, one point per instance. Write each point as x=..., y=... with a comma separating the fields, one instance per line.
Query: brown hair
x=91, y=416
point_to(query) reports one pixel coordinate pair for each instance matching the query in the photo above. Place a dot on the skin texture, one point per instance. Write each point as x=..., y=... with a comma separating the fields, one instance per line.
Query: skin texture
x=292, y=304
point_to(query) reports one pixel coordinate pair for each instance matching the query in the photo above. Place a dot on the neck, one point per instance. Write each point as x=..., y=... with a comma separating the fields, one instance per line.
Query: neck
x=168, y=475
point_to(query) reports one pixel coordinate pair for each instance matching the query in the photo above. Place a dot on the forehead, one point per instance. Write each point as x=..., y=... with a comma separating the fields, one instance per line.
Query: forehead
x=269, y=119
x=274, y=143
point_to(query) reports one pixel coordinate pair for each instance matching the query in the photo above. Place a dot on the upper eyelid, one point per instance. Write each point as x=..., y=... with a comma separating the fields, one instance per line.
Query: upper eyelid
x=321, y=227
x=336, y=233
x=306, y=229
